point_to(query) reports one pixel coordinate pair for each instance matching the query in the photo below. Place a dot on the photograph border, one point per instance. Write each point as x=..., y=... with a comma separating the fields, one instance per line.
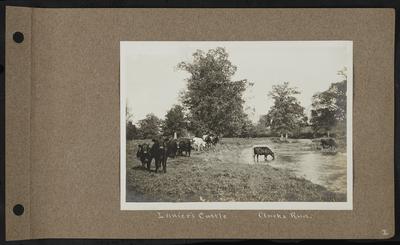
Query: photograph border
x=348, y=205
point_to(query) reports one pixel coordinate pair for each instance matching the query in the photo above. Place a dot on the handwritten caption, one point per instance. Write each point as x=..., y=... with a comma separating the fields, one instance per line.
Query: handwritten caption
x=289, y=215
x=224, y=216
x=192, y=215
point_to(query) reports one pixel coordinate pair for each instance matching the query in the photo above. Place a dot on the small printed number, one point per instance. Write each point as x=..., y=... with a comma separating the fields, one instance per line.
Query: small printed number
x=384, y=232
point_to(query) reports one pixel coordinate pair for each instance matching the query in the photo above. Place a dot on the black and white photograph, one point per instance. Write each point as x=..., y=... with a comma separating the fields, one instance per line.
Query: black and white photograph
x=236, y=125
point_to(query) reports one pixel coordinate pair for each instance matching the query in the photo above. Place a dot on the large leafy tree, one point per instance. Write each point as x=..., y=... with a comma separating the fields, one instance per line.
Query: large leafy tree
x=150, y=126
x=286, y=114
x=175, y=121
x=329, y=108
x=213, y=99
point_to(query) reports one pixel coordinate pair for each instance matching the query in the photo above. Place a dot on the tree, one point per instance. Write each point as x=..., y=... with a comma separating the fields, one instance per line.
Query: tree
x=329, y=107
x=150, y=126
x=261, y=128
x=131, y=130
x=248, y=129
x=214, y=101
x=175, y=121
x=286, y=115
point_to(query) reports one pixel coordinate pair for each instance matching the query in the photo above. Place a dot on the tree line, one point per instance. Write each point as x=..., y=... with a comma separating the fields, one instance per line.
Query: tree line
x=213, y=103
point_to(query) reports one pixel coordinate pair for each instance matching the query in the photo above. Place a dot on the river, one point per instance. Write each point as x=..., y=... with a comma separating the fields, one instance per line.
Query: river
x=302, y=160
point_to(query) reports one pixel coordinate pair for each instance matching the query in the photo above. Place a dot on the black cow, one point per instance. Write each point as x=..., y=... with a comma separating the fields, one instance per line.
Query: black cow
x=158, y=151
x=328, y=143
x=184, y=145
x=210, y=139
x=262, y=150
x=143, y=153
x=172, y=148
x=214, y=140
x=207, y=139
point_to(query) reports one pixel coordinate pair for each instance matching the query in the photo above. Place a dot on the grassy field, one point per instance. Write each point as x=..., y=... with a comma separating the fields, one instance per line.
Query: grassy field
x=215, y=175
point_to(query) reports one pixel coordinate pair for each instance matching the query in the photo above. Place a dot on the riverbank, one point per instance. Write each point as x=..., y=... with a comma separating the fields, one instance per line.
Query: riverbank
x=216, y=176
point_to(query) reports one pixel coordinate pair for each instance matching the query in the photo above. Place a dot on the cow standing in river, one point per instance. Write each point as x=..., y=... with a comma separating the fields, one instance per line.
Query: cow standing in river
x=328, y=143
x=262, y=150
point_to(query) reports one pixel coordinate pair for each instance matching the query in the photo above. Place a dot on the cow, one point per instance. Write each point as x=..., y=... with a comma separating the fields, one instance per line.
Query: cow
x=207, y=139
x=143, y=153
x=172, y=148
x=214, y=139
x=262, y=150
x=210, y=139
x=328, y=143
x=158, y=151
x=198, y=143
x=184, y=145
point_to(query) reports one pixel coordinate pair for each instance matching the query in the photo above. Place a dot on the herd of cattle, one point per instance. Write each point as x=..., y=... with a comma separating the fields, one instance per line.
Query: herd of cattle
x=161, y=149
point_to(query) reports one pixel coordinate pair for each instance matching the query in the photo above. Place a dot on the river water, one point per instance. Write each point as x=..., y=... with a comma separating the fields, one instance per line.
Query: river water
x=303, y=160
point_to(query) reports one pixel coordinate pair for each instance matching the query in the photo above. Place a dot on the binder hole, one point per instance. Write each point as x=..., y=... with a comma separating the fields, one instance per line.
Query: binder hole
x=18, y=37
x=18, y=209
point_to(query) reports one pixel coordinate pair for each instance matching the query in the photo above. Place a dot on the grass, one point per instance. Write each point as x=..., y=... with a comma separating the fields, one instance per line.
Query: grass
x=215, y=176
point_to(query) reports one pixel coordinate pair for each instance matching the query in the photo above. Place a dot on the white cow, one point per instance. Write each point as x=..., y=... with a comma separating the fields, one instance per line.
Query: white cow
x=198, y=144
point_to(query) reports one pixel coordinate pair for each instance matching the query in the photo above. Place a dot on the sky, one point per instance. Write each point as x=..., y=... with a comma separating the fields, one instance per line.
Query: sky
x=152, y=82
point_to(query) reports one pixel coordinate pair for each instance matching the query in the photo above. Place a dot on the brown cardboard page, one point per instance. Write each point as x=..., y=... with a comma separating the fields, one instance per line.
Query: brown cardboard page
x=62, y=120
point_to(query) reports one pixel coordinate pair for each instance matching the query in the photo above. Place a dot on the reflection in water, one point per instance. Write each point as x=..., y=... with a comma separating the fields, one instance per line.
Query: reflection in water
x=303, y=161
